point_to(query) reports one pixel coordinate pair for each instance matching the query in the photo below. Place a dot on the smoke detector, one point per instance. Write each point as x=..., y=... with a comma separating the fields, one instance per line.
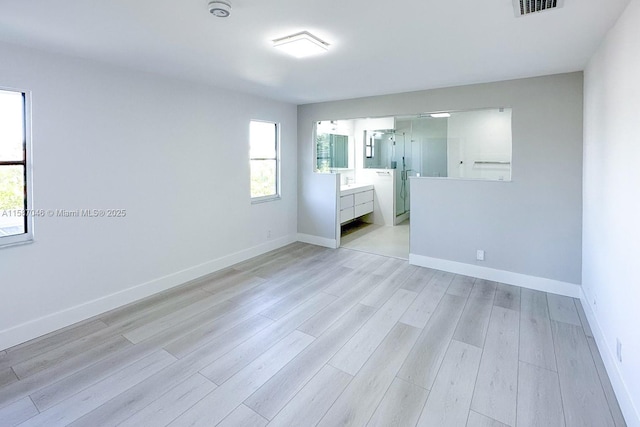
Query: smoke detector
x=528, y=7
x=218, y=8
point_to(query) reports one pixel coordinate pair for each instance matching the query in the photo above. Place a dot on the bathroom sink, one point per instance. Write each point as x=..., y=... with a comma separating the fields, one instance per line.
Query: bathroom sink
x=354, y=188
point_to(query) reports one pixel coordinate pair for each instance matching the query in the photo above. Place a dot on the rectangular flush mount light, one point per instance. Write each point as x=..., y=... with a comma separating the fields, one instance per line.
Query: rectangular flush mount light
x=301, y=44
x=440, y=115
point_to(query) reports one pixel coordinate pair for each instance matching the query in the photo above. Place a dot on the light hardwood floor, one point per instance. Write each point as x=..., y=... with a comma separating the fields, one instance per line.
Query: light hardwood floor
x=307, y=336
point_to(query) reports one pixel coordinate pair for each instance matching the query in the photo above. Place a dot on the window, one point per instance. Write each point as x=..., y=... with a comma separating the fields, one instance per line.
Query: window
x=15, y=216
x=264, y=161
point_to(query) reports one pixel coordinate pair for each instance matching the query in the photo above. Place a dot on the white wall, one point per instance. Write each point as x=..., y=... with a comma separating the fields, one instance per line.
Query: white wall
x=611, y=249
x=173, y=154
x=531, y=226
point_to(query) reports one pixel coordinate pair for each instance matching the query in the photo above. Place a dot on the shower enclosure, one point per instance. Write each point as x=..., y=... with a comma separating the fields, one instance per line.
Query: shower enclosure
x=392, y=149
x=403, y=158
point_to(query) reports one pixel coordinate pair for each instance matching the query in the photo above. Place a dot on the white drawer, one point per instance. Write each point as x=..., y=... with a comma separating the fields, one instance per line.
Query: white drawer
x=347, y=214
x=364, y=197
x=363, y=209
x=346, y=201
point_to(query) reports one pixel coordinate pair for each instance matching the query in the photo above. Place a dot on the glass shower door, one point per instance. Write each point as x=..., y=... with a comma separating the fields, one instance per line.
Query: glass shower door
x=403, y=161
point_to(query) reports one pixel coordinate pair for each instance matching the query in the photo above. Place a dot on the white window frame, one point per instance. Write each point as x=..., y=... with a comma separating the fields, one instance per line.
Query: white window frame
x=26, y=237
x=276, y=196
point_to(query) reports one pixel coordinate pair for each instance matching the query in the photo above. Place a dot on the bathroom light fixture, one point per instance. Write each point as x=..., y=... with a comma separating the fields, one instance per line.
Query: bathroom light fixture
x=301, y=45
x=440, y=115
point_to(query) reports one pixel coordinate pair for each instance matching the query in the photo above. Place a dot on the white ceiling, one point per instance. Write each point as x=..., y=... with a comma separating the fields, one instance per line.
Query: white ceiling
x=377, y=47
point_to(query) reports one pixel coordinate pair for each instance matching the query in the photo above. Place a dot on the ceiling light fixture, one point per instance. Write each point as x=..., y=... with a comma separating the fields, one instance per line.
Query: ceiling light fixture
x=440, y=115
x=220, y=9
x=301, y=45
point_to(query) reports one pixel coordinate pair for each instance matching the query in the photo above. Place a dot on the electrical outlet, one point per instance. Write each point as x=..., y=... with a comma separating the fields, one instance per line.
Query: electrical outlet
x=268, y=234
x=619, y=349
x=480, y=255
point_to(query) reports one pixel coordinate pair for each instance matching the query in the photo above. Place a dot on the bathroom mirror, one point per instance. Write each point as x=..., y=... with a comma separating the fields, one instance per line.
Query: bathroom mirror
x=334, y=146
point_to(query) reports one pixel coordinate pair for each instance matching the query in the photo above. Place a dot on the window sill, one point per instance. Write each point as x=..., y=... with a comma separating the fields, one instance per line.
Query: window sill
x=15, y=241
x=258, y=200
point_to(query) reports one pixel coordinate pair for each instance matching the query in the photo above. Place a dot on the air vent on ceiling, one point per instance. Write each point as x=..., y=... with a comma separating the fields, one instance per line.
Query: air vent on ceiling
x=527, y=7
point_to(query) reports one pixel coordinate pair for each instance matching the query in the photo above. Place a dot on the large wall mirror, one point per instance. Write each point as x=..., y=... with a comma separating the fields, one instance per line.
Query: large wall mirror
x=334, y=146
x=474, y=144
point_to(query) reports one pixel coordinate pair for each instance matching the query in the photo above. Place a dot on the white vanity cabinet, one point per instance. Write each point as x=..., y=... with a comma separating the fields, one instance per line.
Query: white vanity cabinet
x=355, y=201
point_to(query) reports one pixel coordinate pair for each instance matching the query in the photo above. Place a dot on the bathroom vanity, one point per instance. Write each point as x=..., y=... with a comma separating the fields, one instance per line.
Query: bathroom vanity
x=356, y=200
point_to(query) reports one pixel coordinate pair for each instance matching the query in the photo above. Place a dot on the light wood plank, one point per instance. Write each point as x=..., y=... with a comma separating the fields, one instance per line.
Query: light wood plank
x=507, y=296
x=423, y=362
x=312, y=402
x=139, y=396
x=497, y=384
x=616, y=412
x=355, y=259
x=222, y=401
x=145, y=392
x=211, y=308
x=48, y=342
x=381, y=293
x=483, y=289
x=172, y=403
x=275, y=393
x=243, y=417
x=401, y=405
x=320, y=322
x=357, y=350
x=563, y=309
x=358, y=402
x=582, y=393
x=233, y=282
x=422, y=308
x=17, y=412
x=7, y=376
x=56, y=392
x=70, y=355
x=461, y=286
x=418, y=280
x=65, y=368
x=276, y=289
x=344, y=284
x=149, y=309
x=87, y=400
x=293, y=300
x=370, y=263
x=234, y=289
x=473, y=324
x=238, y=358
x=479, y=420
x=534, y=303
x=536, y=341
x=388, y=266
x=449, y=401
x=539, y=400
x=209, y=330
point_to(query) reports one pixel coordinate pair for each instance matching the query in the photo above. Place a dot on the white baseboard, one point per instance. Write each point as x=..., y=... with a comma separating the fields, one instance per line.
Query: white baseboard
x=502, y=276
x=627, y=406
x=318, y=241
x=52, y=322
